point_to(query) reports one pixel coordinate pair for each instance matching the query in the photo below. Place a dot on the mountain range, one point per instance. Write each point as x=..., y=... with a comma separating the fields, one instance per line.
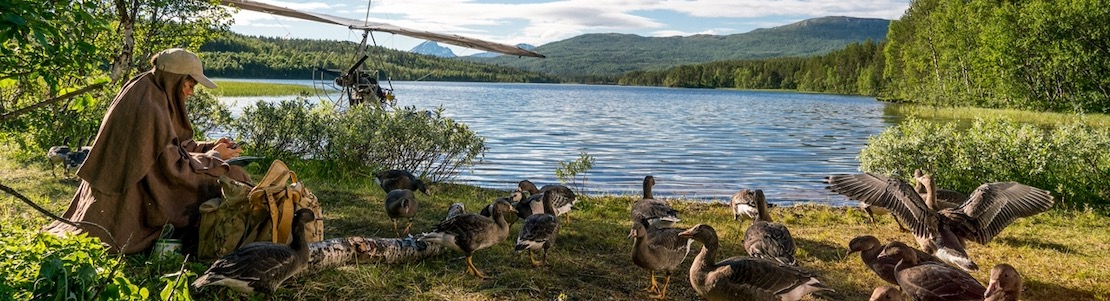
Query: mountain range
x=609, y=54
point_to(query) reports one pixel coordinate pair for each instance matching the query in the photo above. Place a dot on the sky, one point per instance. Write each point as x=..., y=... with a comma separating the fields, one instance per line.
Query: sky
x=538, y=22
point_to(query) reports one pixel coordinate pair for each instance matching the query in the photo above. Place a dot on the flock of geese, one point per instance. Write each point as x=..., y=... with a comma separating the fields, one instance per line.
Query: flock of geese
x=940, y=221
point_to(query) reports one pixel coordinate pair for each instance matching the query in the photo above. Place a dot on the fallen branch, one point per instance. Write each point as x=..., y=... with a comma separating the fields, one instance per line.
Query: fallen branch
x=342, y=251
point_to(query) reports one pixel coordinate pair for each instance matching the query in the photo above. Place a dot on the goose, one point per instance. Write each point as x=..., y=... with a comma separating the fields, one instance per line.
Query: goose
x=261, y=266
x=658, y=250
x=925, y=281
x=455, y=209
x=401, y=203
x=765, y=238
x=56, y=155
x=564, y=201
x=392, y=179
x=743, y=206
x=539, y=230
x=869, y=248
x=471, y=232
x=988, y=210
x=656, y=212
x=945, y=198
x=1004, y=285
x=745, y=278
x=887, y=293
x=515, y=199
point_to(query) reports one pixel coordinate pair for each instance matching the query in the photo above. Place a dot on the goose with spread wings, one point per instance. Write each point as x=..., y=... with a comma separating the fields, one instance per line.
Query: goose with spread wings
x=988, y=210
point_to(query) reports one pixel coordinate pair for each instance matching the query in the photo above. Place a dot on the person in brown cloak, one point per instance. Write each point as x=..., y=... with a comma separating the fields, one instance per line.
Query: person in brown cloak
x=144, y=170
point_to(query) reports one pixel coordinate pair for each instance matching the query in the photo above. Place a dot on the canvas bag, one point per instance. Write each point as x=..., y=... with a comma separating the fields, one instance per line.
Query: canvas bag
x=245, y=213
x=281, y=194
x=228, y=222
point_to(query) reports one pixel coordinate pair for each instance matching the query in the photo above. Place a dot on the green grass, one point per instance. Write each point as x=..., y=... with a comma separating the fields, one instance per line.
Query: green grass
x=238, y=88
x=966, y=114
x=1063, y=254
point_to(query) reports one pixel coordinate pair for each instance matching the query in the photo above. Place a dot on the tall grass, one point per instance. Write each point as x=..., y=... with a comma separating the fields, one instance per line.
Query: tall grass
x=969, y=114
x=238, y=88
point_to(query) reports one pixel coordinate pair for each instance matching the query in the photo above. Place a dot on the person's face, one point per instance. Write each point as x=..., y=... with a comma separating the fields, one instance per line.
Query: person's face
x=188, y=88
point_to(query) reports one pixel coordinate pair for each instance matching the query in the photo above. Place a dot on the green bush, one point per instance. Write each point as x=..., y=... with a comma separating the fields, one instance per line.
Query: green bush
x=571, y=171
x=1070, y=159
x=360, y=139
x=42, y=266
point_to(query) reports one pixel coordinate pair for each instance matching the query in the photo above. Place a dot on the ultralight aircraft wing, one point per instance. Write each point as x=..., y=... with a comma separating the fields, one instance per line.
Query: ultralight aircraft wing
x=360, y=25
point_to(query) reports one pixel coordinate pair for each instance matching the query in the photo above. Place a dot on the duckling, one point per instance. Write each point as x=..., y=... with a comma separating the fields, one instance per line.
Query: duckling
x=539, y=230
x=887, y=293
x=656, y=212
x=470, y=232
x=658, y=249
x=925, y=281
x=401, y=203
x=765, y=238
x=869, y=248
x=564, y=201
x=261, y=266
x=991, y=208
x=392, y=179
x=1005, y=284
x=745, y=278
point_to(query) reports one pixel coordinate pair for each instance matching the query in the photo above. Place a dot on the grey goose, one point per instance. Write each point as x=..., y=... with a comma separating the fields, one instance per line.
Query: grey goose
x=470, y=232
x=261, y=266
x=745, y=278
x=988, y=210
x=765, y=238
x=929, y=281
x=657, y=213
x=539, y=230
x=658, y=250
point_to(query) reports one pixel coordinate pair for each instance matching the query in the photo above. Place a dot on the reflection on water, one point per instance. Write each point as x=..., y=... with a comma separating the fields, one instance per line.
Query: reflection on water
x=702, y=144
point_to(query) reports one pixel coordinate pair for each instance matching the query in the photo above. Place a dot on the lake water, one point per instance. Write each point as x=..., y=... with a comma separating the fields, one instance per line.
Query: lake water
x=699, y=144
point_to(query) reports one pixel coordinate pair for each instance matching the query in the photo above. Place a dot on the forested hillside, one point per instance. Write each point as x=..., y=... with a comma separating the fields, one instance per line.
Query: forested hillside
x=238, y=56
x=856, y=69
x=1029, y=55
x=614, y=54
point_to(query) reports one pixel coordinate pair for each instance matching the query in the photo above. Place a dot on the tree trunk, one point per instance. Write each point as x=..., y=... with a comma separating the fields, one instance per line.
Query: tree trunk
x=341, y=251
x=121, y=68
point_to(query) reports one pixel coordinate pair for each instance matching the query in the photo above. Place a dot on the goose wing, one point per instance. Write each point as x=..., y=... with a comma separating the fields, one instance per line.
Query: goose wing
x=665, y=242
x=891, y=193
x=647, y=209
x=770, y=241
x=262, y=261
x=539, y=228
x=994, y=206
x=759, y=276
x=936, y=281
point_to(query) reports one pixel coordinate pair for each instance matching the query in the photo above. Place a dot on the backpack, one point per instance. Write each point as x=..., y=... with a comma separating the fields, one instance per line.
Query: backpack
x=263, y=212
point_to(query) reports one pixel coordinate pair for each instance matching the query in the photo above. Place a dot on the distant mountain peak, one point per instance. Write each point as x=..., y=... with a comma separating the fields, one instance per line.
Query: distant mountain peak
x=433, y=49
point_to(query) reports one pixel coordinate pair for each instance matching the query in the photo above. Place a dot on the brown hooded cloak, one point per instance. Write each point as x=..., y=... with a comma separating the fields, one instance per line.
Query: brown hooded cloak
x=144, y=169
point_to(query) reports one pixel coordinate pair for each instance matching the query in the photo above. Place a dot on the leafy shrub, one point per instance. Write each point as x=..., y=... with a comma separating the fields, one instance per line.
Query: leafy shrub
x=289, y=129
x=1069, y=159
x=42, y=266
x=569, y=171
x=207, y=114
x=361, y=139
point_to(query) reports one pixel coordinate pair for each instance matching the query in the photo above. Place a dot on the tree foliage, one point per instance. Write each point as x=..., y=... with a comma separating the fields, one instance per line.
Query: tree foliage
x=238, y=56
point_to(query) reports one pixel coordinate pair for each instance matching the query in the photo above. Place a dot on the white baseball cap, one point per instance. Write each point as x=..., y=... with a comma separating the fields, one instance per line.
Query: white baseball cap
x=181, y=61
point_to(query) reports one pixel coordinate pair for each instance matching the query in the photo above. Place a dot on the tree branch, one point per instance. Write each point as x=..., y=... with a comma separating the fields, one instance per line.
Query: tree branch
x=69, y=95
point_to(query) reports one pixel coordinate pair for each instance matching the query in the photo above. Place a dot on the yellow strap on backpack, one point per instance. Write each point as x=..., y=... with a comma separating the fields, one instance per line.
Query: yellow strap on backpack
x=278, y=198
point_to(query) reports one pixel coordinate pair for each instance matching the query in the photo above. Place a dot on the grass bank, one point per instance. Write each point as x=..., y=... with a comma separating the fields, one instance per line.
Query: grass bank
x=240, y=88
x=966, y=114
x=1063, y=255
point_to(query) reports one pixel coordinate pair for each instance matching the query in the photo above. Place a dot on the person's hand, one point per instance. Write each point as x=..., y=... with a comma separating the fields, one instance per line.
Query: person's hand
x=227, y=150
